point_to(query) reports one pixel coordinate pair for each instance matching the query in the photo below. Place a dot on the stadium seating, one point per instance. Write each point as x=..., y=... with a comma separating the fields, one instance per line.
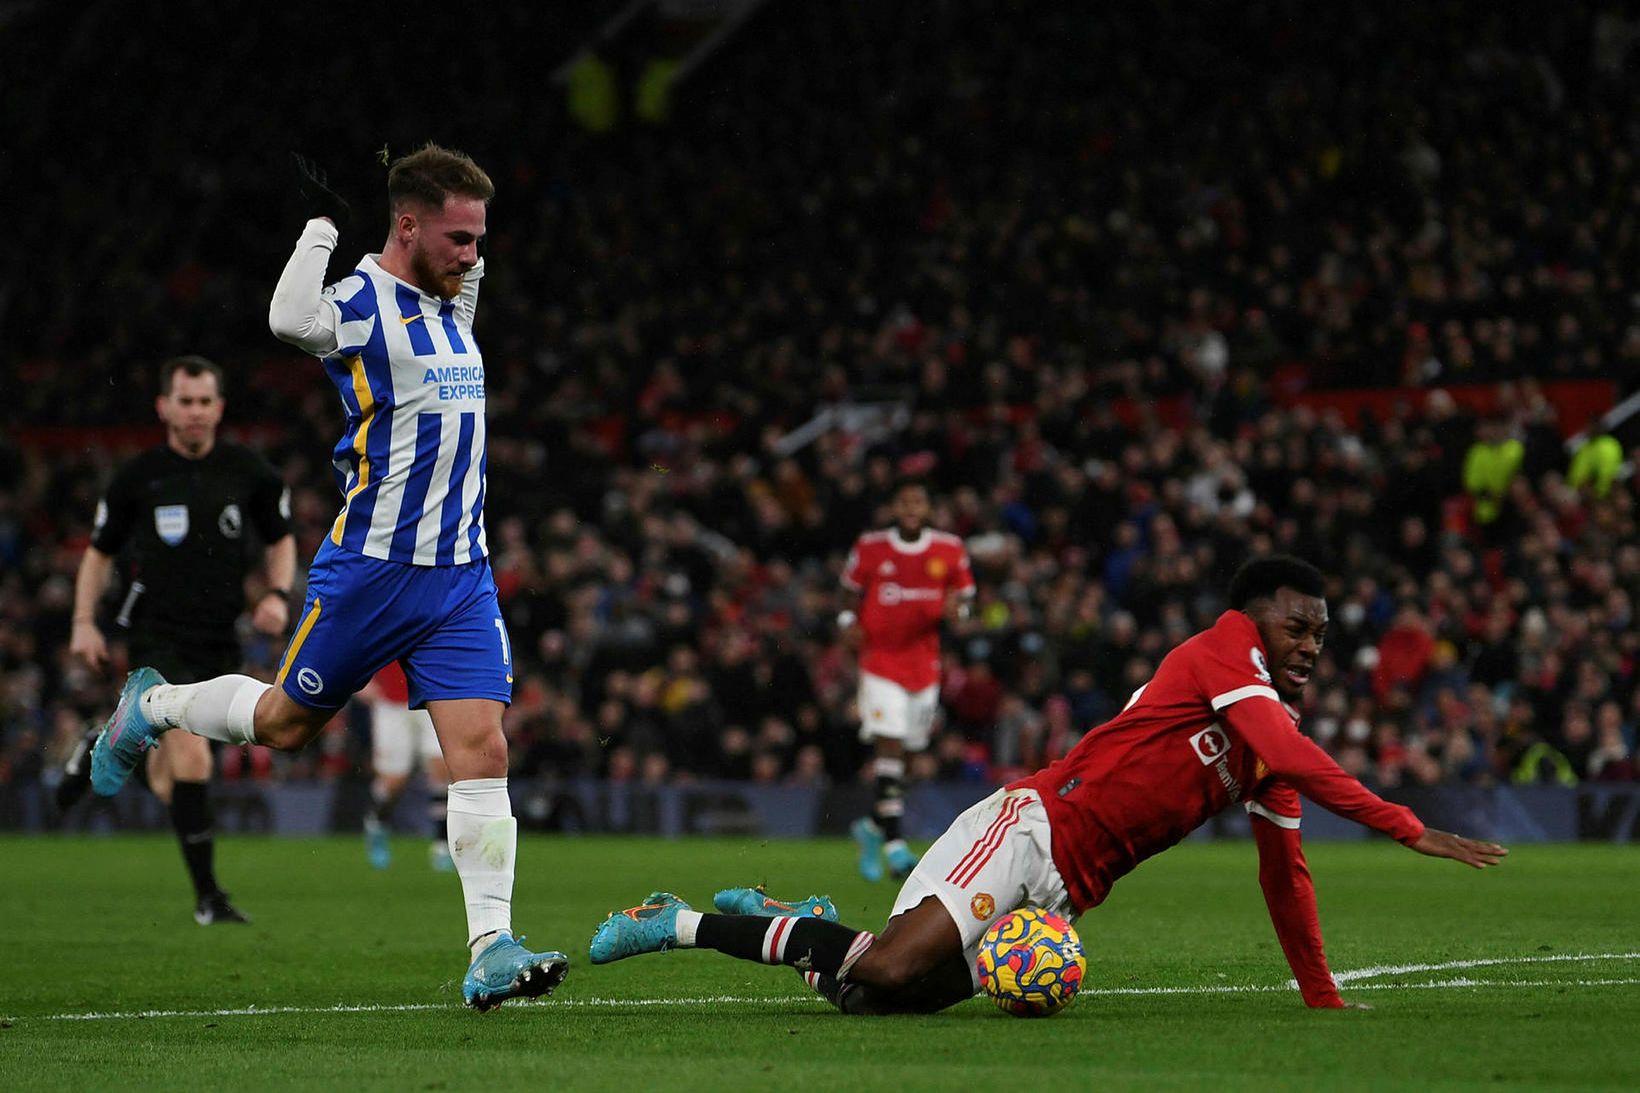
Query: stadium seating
x=1108, y=270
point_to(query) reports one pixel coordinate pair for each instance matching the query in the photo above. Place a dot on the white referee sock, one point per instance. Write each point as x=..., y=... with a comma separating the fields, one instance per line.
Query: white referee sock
x=222, y=709
x=484, y=844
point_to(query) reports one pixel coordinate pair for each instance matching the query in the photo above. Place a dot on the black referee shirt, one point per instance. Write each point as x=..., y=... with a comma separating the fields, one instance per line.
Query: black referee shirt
x=179, y=527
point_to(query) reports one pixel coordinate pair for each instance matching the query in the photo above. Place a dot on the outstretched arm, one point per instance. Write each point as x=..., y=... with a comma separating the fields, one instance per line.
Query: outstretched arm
x=1302, y=764
x=1264, y=724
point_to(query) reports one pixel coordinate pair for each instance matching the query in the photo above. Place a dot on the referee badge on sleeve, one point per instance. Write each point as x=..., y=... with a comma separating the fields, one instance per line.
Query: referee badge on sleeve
x=171, y=523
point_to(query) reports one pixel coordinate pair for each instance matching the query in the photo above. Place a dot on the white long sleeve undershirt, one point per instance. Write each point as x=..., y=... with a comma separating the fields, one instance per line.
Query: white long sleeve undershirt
x=298, y=313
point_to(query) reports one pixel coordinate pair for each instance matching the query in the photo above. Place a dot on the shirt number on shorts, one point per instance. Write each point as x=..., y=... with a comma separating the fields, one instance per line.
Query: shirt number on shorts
x=506, y=650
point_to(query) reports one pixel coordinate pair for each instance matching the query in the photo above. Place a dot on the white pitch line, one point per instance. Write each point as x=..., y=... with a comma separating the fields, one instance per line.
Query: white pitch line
x=1464, y=981
x=242, y=1011
x=410, y=1007
x=1453, y=965
x=1353, y=978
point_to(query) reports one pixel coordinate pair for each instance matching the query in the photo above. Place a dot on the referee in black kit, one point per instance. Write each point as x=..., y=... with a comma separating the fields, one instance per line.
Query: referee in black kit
x=177, y=517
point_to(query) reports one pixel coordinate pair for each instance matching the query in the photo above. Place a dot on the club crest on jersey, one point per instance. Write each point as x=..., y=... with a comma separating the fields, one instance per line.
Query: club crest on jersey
x=1210, y=744
x=1260, y=668
x=171, y=523
x=230, y=523
x=983, y=906
x=937, y=568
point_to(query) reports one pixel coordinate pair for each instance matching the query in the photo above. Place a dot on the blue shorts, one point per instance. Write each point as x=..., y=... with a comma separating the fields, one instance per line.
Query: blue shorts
x=442, y=623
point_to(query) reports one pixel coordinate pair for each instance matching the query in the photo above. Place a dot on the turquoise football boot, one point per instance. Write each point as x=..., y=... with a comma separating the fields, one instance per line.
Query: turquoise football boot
x=901, y=859
x=650, y=927
x=508, y=970
x=869, y=837
x=377, y=848
x=127, y=737
x=757, y=901
x=438, y=857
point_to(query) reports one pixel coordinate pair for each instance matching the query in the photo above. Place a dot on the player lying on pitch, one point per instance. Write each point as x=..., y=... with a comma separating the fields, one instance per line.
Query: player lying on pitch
x=1210, y=729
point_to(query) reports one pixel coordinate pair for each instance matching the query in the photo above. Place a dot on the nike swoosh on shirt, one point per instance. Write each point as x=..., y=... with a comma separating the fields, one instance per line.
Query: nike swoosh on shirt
x=406, y=320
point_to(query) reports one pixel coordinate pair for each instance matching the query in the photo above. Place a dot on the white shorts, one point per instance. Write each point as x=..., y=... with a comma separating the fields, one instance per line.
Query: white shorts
x=399, y=736
x=995, y=858
x=888, y=709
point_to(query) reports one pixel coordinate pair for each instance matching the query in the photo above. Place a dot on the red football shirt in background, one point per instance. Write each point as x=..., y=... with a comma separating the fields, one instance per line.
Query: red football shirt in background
x=1206, y=732
x=391, y=684
x=902, y=588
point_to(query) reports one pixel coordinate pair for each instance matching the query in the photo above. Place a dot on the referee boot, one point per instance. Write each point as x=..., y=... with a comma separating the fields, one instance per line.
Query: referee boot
x=127, y=737
x=76, y=778
x=213, y=909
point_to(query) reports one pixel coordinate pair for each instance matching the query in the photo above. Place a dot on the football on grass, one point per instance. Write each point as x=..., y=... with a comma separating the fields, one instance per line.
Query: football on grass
x=1031, y=963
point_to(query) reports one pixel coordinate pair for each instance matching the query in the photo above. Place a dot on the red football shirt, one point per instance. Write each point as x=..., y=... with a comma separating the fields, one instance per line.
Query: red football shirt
x=1206, y=732
x=902, y=588
x=390, y=681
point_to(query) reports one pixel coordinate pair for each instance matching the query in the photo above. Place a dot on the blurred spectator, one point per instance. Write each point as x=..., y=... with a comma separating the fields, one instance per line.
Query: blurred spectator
x=1595, y=464
x=1091, y=309
x=1489, y=467
x=1404, y=654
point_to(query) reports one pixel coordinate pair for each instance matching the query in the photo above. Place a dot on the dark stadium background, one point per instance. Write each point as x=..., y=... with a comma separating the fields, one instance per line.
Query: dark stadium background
x=1142, y=290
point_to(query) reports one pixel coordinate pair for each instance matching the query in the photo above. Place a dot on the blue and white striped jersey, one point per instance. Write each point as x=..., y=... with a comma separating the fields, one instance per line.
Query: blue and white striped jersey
x=411, y=461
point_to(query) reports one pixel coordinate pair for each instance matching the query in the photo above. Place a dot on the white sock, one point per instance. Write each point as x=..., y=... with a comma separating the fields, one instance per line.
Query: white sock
x=688, y=923
x=222, y=709
x=484, y=843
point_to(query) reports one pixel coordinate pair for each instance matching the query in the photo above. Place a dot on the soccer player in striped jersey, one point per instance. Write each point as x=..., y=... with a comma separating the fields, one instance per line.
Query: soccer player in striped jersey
x=1212, y=728
x=404, y=573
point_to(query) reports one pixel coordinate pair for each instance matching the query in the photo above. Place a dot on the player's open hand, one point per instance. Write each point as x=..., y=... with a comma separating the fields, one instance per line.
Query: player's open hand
x=1444, y=844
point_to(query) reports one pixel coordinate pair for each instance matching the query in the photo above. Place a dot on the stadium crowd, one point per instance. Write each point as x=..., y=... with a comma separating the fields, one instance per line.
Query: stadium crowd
x=1025, y=236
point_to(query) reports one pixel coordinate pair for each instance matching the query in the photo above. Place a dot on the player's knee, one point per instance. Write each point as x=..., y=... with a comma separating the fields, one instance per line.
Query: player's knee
x=476, y=753
x=888, y=970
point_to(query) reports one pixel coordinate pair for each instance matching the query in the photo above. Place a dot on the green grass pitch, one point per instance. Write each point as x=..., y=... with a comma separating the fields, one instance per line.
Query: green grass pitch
x=349, y=978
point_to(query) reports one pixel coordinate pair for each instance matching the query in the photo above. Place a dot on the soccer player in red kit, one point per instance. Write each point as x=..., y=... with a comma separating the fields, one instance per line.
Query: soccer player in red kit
x=908, y=579
x=1212, y=728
